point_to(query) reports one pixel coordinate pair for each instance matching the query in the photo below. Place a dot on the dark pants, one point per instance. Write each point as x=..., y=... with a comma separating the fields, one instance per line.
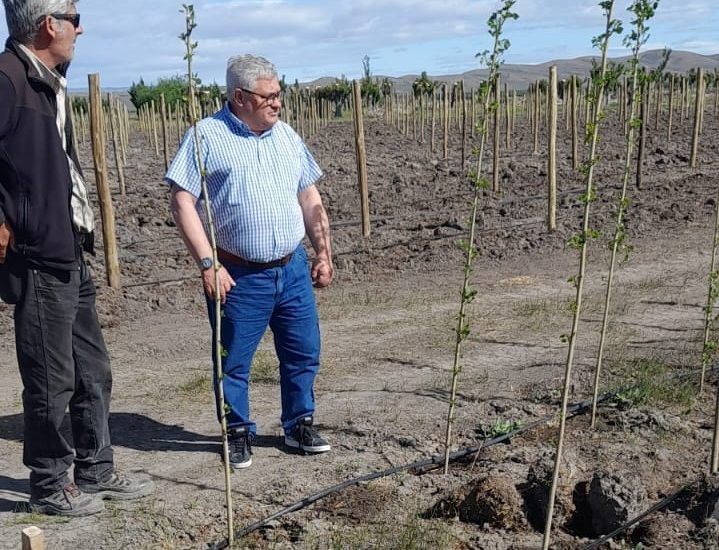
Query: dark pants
x=63, y=363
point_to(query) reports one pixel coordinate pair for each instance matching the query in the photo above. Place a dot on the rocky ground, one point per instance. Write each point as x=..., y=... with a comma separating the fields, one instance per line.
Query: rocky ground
x=383, y=389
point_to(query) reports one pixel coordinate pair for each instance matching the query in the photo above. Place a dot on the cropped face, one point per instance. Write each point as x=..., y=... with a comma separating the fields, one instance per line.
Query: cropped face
x=259, y=108
x=64, y=28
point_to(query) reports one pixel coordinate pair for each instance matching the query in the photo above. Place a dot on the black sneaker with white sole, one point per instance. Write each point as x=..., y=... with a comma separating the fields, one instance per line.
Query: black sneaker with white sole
x=305, y=438
x=240, y=446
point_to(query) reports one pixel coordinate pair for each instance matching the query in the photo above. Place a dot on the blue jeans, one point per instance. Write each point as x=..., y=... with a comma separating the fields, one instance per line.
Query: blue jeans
x=281, y=298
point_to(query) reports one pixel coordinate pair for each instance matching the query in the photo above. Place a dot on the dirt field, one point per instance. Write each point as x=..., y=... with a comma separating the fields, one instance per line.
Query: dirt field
x=382, y=392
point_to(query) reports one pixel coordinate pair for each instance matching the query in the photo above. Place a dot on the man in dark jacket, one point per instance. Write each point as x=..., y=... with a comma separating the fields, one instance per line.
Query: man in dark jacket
x=46, y=225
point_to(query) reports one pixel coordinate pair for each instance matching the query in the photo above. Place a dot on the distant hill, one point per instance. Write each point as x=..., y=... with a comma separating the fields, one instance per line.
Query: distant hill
x=520, y=76
x=517, y=76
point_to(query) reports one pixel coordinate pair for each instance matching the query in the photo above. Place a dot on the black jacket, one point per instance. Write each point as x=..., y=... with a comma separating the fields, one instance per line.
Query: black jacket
x=35, y=180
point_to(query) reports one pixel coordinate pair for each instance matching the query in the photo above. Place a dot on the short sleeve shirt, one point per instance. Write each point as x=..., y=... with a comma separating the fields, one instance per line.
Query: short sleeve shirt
x=253, y=182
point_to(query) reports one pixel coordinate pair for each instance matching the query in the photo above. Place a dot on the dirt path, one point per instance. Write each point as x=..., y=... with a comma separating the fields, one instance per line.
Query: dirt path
x=381, y=392
x=387, y=327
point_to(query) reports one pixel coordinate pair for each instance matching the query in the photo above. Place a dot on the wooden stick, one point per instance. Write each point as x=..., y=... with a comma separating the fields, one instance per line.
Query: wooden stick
x=445, y=121
x=707, y=325
x=577, y=306
x=112, y=264
x=537, y=116
x=434, y=120
x=153, y=119
x=361, y=158
x=495, y=141
x=116, y=146
x=552, y=151
x=464, y=124
x=642, y=134
x=413, y=115
x=671, y=107
x=575, y=112
x=698, y=108
x=708, y=322
x=33, y=538
x=165, y=145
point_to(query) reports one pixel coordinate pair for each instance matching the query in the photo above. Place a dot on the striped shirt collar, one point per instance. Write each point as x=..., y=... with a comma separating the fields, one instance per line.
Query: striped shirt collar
x=240, y=124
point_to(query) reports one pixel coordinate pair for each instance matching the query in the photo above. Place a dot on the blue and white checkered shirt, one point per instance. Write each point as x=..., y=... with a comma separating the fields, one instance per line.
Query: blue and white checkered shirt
x=253, y=182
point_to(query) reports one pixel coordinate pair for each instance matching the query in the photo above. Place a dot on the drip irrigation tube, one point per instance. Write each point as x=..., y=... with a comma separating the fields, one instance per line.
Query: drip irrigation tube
x=436, y=460
x=658, y=506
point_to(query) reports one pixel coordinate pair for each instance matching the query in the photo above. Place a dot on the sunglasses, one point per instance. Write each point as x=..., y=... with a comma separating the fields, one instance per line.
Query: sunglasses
x=73, y=18
x=271, y=97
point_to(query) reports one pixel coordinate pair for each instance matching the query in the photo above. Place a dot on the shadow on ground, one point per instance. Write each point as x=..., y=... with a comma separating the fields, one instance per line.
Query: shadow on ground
x=131, y=430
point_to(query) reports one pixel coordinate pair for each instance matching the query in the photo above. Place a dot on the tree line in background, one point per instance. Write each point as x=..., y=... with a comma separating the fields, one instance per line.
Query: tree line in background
x=374, y=91
x=173, y=88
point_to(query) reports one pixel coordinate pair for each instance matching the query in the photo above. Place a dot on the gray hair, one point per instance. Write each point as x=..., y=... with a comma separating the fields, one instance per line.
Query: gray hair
x=243, y=71
x=23, y=16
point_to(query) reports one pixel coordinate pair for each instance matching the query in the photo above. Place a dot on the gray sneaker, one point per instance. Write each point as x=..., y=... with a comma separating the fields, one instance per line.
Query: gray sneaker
x=68, y=501
x=119, y=487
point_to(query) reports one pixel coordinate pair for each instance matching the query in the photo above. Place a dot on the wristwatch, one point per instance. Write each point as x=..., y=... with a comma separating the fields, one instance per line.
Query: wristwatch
x=205, y=263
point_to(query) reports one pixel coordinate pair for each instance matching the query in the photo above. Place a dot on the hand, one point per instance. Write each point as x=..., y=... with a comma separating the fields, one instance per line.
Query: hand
x=208, y=282
x=322, y=272
x=6, y=241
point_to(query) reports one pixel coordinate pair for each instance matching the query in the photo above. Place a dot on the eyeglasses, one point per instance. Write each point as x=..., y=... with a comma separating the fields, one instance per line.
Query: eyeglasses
x=73, y=18
x=277, y=96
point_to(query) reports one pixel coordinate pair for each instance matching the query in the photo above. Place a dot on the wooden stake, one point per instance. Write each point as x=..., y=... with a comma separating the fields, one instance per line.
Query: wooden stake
x=361, y=158
x=112, y=264
x=464, y=124
x=445, y=120
x=495, y=143
x=116, y=146
x=124, y=131
x=71, y=112
x=413, y=115
x=714, y=464
x=579, y=283
x=472, y=113
x=552, y=151
x=671, y=107
x=537, y=116
x=575, y=112
x=660, y=97
x=153, y=117
x=708, y=322
x=405, y=115
x=163, y=118
x=33, y=538
x=698, y=108
x=434, y=120
x=642, y=134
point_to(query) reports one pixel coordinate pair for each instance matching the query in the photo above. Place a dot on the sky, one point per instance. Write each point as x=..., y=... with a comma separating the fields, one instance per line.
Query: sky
x=127, y=40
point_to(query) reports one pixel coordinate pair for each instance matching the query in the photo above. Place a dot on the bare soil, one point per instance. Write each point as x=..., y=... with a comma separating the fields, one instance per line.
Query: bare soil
x=388, y=342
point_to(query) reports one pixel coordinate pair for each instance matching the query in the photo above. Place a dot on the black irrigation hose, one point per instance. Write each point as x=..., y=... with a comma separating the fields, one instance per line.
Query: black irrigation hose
x=435, y=460
x=658, y=506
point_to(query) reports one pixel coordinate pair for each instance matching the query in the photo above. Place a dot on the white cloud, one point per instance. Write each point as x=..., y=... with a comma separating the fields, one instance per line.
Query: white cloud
x=310, y=38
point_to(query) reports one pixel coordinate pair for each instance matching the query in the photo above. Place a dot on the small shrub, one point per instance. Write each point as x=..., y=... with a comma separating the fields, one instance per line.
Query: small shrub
x=650, y=381
x=265, y=369
x=498, y=428
x=197, y=385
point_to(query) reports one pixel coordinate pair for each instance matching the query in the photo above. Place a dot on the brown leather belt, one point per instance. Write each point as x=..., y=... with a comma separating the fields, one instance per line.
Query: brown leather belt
x=229, y=258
